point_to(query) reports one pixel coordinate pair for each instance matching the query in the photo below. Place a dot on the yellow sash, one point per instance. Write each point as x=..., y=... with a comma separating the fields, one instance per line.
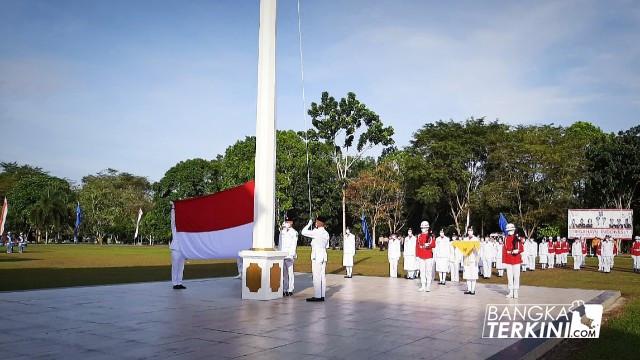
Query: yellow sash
x=466, y=247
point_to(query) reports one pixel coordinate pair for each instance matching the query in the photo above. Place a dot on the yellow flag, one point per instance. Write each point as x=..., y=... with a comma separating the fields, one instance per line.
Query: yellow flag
x=466, y=247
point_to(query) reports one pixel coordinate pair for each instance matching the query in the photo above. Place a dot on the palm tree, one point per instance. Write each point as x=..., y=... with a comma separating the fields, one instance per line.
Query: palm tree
x=50, y=212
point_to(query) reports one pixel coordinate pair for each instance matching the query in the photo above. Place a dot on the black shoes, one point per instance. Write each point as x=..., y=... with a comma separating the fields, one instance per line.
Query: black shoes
x=287, y=293
x=467, y=292
x=315, y=299
x=179, y=287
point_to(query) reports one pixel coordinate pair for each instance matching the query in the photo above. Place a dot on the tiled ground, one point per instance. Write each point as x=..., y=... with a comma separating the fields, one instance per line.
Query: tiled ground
x=363, y=318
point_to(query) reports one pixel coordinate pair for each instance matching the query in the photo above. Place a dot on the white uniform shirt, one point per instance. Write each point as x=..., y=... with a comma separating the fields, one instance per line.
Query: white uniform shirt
x=319, y=242
x=349, y=246
x=607, y=248
x=576, y=248
x=443, y=247
x=288, y=242
x=543, y=248
x=394, y=249
x=410, y=246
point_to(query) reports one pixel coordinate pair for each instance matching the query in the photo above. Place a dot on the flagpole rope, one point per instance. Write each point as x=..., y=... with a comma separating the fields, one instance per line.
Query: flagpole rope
x=304, y=107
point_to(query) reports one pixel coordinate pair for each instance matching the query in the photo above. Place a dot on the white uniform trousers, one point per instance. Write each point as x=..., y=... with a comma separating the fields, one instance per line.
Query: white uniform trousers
x=577, y=261
x=393, y=268
x=600, y=264
x=532, y=262
x=319, y=278
x=177, y=267
x=513, y=276
x=606, y=263
x=564, y=258
x=287, y=275
x=551, y=258
x=486, y=267
x=455, y=270
x=559, y=259
x=636, y=261
x=426, y=272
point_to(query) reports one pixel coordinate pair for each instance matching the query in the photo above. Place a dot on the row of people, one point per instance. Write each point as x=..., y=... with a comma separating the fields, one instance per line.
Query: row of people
x=10, y=242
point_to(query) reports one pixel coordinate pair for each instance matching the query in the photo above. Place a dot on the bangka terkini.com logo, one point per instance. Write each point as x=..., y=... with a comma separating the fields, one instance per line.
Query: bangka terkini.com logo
x=522, y=321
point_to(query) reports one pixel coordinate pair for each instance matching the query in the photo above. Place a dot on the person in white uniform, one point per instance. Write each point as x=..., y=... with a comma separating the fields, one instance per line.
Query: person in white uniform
x=576, y=253
x=607, y=254
x=499, y=264
x=455, y=257
x=531, y=254
x=177, y=259
x=471, y=262
x=543, y=252
x=486, y=254
x=410, y=265
x=348, y=252
x=442, y=254
x=288, y=243
x=319, y=244
x=393, y=254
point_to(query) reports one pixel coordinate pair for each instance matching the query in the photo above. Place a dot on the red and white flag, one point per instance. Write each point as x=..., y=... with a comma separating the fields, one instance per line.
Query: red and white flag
x=135, y=236
x=3, y=215
x=215, y=226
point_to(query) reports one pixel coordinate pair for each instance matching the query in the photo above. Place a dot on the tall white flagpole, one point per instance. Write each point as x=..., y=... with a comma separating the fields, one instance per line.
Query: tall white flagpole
x=265, y=165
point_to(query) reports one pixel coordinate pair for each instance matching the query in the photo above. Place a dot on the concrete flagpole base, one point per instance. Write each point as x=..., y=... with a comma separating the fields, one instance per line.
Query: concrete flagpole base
x=262, y=274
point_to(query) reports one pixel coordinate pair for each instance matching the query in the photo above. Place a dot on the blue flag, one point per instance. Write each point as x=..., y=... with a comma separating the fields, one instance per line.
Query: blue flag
x=365, y=230
x=503, y=223
x=78, y=222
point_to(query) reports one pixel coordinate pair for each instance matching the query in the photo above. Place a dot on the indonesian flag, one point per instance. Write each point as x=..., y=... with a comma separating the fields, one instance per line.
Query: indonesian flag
x=3, y=215
x=215, y=226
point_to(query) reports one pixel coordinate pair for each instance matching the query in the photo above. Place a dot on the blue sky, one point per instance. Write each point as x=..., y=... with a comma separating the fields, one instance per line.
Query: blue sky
x=140, y=85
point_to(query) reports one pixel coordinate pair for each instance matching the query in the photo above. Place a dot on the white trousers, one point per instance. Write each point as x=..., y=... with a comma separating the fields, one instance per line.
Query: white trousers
x=426, y=272
x=532, y=262
x=551, y=259
x=177, y=267
x=239, y=265
x=288, y=278
x=349, y=270
x=393, y=268
x=486, y=267
x=513, y=276
x=455, y=271
x=319, y=278
x=577, y=261
x=606, y=263
x=636, y=261
x=600, y=264
x=564, y=258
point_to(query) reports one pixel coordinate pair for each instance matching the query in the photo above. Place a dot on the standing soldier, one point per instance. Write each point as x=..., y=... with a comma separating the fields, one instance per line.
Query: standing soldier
x=424, y=255
x=22, y=243
x=319, y=244
x=512, y=258
x=635, y=255
x=532, y=254
x=576, y=252
x=558, y=246
x=543, y=252
x=471, y=264
x=442, y=254
x=288, y=243
x=455, y=257
x=499, y=264
x=394, y=255
x=607, y=254
x=409, y=254
x=598, y=246
x=565, y=251
x=552, y=252
x=348, y=252
x=486, y=249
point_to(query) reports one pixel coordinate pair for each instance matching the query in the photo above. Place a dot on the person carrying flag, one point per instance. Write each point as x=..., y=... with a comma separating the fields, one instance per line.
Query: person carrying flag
x=424, y=254
x=512, y=258
x=635, y=254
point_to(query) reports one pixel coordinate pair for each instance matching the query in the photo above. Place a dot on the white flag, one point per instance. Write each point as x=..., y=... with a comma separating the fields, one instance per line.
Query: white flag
x=3, y=216
x=138, y=223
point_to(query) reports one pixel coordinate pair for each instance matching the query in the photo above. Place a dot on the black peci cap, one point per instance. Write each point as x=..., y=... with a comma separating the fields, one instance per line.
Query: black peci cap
x=321, y=218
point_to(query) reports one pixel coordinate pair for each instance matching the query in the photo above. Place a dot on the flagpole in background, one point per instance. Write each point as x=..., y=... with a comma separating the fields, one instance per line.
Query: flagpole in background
x=262, y=265
x=3, y=215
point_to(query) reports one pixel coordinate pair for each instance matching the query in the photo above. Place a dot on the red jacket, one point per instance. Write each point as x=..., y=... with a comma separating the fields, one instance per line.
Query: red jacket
x=635, y=249
x=510, y=245
x=552, y=247
x=565, y=247
x=425, y=245
x=615, y=249
x=558, y=247
x=584, y=248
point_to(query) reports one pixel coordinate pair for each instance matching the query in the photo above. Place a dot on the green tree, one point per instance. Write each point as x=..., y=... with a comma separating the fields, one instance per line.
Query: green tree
x=447, y=164
x=51, y=213
x=351, y=129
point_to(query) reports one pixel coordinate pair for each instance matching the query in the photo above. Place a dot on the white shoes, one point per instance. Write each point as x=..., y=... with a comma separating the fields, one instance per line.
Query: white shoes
x=421, y=289
x=515, y=294
x=239, y=276
x=510, y=294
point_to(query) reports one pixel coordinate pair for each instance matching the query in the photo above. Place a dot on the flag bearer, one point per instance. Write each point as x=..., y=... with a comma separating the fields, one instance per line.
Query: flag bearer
x=471, y=264
x=348, y=252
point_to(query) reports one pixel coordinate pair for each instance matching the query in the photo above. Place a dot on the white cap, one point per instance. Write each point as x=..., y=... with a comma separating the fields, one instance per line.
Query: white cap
x=511, y=227
x=424, y=224
x=637, y=237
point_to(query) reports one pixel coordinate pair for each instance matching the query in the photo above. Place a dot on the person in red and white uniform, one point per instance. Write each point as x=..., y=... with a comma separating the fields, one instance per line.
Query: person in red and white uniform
x=635, y=254
x=424, y=254
x=512, y=258
x=551, y=251
x=565, y=251
x=558, y=246
x=615, y=251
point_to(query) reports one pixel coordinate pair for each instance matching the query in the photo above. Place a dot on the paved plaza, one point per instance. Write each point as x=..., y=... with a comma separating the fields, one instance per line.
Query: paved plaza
x=363, y=318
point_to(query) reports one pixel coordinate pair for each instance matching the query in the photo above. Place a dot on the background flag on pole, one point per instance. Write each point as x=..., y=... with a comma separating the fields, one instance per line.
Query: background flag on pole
x=503, y=223
x=365, y=230
x=138, y=223
x=3, y=216
x=78, y=222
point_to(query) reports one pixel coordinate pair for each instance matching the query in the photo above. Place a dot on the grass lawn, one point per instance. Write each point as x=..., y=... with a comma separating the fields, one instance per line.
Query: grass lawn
x=49, y=266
